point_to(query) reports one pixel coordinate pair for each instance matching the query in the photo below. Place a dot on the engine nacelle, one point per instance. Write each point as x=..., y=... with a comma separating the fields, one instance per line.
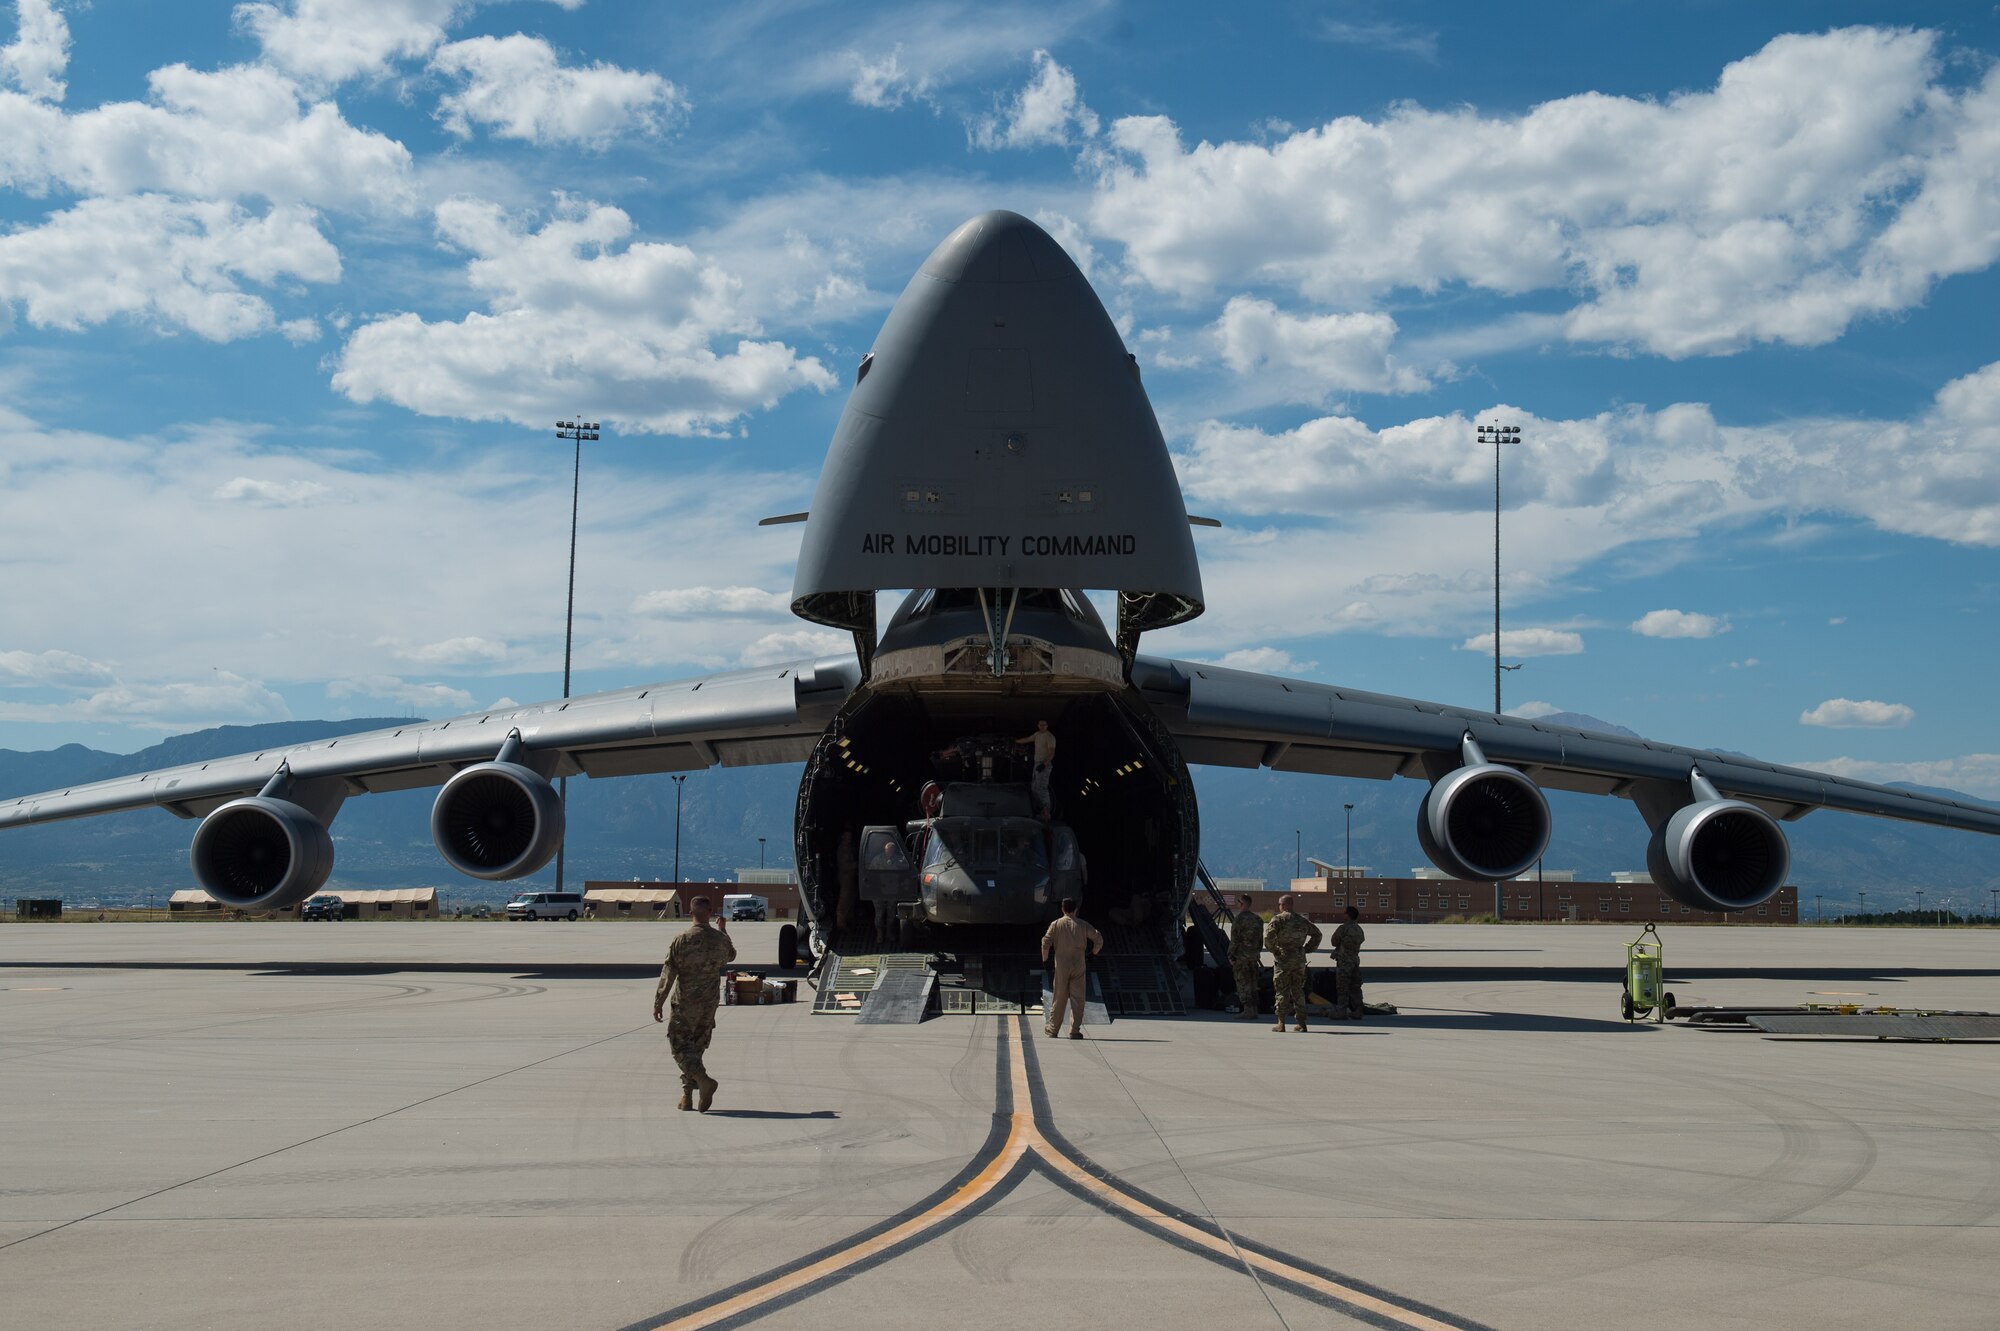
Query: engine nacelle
x=1483, y=821
x=1719, y=854
x=261, y=853
x=497, y=820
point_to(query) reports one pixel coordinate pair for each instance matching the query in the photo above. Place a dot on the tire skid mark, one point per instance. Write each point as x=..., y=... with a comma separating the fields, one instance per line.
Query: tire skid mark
x=1808, y=1171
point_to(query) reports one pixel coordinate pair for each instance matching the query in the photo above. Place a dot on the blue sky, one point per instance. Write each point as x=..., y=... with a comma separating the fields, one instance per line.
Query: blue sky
x=292, y=293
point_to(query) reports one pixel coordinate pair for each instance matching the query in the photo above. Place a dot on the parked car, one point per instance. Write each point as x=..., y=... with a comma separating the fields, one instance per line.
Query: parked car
x=326, y=906
x=743, y=906
x=545, y=906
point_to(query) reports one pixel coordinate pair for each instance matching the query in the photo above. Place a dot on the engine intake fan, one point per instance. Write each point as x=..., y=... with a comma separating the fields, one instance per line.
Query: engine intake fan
x=1483, y=821
x=263, y=852
x=1718, y=854
x=499, y=819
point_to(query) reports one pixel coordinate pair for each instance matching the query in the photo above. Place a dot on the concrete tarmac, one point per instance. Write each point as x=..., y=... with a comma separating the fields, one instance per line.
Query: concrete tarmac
x=472, y=1125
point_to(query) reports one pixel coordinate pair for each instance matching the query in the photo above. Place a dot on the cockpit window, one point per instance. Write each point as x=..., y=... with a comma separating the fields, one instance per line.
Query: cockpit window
x=972, y=847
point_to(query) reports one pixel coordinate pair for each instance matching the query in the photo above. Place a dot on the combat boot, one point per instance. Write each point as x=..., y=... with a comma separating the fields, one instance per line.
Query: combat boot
x=708, y=1087
x=687, y=1097
x=1280, y=1028
x=1301, y=1026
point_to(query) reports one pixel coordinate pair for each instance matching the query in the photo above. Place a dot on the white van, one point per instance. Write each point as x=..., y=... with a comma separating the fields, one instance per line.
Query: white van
x=545, y=906
x=743, y=906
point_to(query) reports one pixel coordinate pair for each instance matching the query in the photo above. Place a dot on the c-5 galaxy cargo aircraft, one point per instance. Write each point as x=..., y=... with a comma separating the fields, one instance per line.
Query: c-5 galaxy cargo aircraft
x=998, y=453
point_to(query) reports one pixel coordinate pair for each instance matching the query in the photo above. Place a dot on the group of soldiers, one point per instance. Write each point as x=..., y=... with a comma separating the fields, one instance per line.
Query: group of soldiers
x=1290, y=936
x=691, y=978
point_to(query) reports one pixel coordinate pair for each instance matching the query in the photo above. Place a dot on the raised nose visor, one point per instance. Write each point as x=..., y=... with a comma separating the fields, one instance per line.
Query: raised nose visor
x=1000, y=438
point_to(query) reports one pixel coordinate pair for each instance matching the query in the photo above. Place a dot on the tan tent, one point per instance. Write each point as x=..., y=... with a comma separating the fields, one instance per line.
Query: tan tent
x=395, y=903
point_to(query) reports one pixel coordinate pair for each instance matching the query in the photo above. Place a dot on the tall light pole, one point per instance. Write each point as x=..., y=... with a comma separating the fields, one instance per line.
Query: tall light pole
x=1864, y=905
x=1819, y=915
x=1498, y=434
x=1298, y=854
x=680, y=780
x=581, y=432
x=1993, y=905
x=760, y=852
x=1350, y=838
x=1920, y=905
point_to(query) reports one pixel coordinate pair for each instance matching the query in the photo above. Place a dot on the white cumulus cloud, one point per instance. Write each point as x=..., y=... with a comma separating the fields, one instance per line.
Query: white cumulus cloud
x=329, y=41
x=1826, y=178
x=713, y=601
x=1047, y=112
x=243, y=132
x=1273, y=660
x=222, y=699
x=1534, y=711
x=884, y=82
x=56, y=669
x=172, y=264
x=1635, y=474
x=1309, y=358
x=438, y=699
x=796, y=645
x=275, y=494
x=516, y=87
x=1678, y=624
x=652, y=331
x=1852, y=714
x=35, y=60
x=1527, y=642
x=465, y=651
x=1974, y=773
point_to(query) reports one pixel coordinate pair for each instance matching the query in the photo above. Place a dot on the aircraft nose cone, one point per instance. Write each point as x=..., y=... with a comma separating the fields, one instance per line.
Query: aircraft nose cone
x=998, y=247
x=997, y=436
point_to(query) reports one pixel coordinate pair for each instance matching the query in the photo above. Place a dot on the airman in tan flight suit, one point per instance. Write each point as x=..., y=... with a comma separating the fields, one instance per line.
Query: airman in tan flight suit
x=1069, y=939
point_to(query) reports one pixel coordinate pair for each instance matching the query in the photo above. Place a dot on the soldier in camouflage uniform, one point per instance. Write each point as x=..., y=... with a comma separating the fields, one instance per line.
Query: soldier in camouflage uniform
x=693, y=973
x=1290, y=937
x=1246, y=957
x=1346, y=949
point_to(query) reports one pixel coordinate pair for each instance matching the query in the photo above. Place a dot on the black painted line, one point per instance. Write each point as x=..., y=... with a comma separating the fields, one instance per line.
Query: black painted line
x=1224, y=1260
x=1044, y=1122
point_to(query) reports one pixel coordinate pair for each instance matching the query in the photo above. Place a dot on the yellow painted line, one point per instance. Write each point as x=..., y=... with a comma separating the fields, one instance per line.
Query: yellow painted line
x=1020, y=1131
x=1023, y=1139
x=1180, y=1229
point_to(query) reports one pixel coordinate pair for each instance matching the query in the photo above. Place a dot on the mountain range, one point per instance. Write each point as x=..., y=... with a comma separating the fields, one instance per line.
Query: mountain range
x=624, y=828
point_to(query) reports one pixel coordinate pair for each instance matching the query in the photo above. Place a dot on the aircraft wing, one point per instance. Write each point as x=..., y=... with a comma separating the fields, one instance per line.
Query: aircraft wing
x=1237, y=718
x=772, y=714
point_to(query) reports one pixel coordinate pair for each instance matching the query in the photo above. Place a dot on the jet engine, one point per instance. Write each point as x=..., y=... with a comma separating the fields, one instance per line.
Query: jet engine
x=499, y=819
x=261, y=853
x=1718, y=854
x=1483, y=821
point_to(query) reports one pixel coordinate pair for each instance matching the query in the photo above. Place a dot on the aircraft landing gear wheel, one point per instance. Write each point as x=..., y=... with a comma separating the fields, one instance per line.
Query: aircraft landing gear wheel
x=1625, y=1005
x=788, y=947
